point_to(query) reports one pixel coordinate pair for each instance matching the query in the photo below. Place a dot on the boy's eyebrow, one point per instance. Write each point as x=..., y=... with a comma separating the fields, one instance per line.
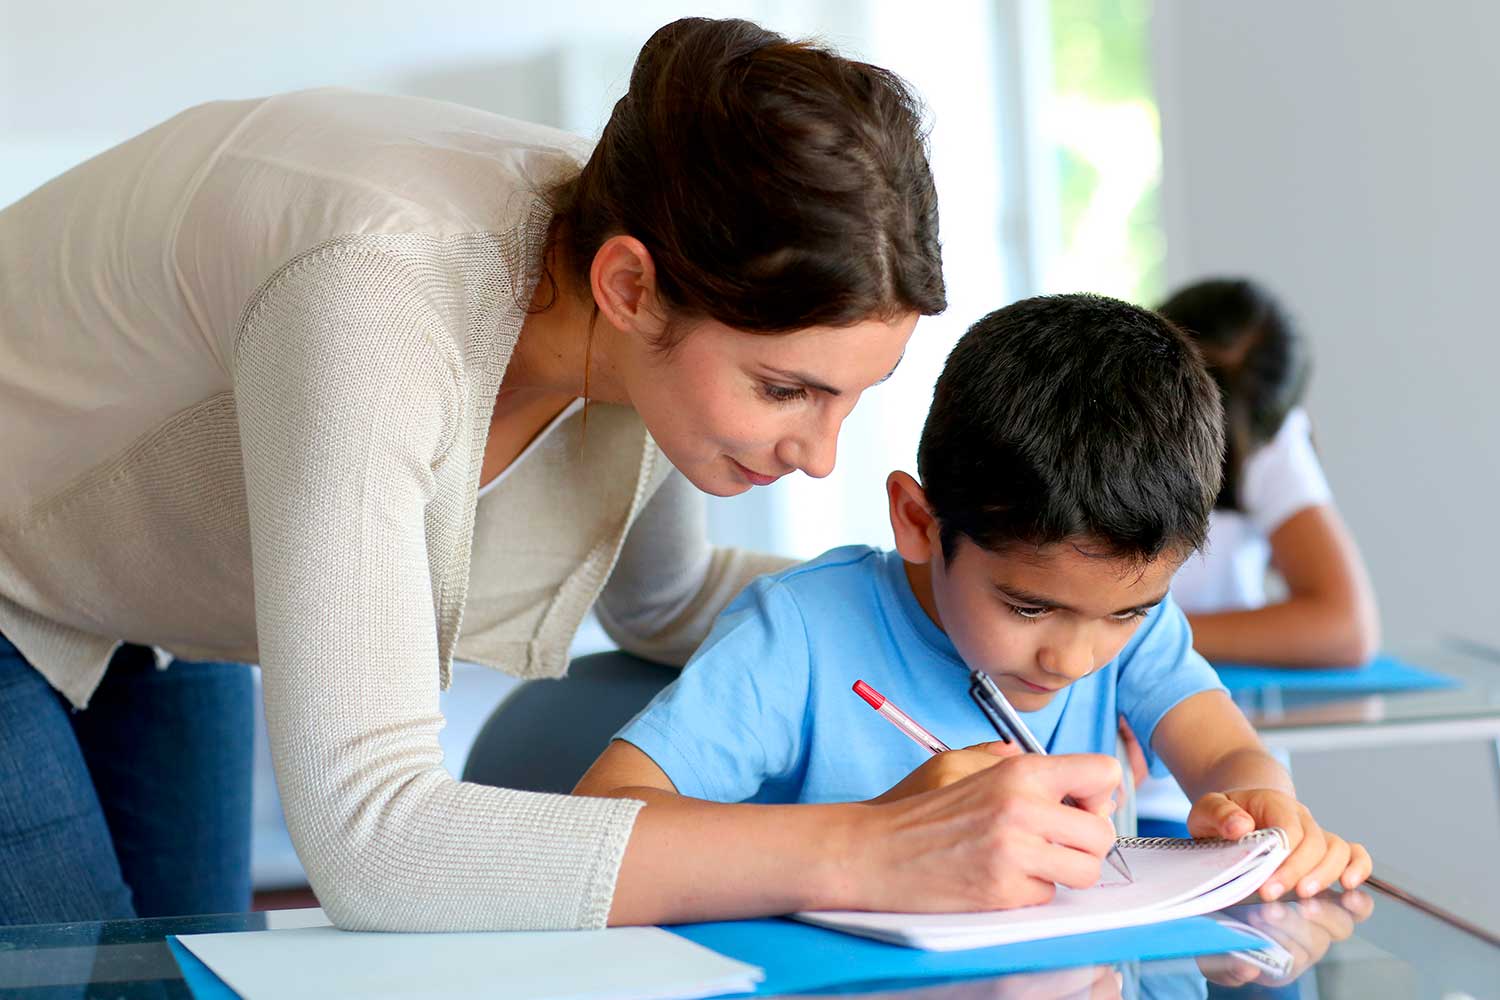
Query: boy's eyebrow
x=1026, y=597
x=813, y=383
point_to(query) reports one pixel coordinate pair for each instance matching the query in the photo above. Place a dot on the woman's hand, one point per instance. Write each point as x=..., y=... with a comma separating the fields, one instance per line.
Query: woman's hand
x=997, y=838
x=944, y=769
x=1319, y=857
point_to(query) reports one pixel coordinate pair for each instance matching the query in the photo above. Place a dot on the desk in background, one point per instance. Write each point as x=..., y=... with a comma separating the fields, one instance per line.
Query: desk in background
x=1414, y=775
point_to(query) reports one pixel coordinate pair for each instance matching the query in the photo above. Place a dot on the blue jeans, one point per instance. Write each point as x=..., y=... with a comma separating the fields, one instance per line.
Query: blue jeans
x=137, y=806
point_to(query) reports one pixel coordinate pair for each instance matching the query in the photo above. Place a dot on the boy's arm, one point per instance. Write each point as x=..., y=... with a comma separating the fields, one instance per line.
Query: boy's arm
x=1210, y=746
x=623, y=769
x=1237, y=787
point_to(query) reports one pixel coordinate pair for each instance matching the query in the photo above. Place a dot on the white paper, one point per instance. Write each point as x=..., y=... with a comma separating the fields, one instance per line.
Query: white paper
x=624, y=963
x=1183, y=880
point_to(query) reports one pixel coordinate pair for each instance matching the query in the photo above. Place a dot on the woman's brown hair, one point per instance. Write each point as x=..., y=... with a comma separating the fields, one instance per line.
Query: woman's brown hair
x=776, y=184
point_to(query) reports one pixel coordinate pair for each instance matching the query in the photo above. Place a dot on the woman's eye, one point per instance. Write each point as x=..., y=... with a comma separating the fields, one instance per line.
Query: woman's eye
x=781, y=393
x=1133, y=615
x=1030, y=614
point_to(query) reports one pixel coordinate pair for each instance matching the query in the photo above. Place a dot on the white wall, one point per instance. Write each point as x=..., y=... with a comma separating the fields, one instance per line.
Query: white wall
x=1346, y=152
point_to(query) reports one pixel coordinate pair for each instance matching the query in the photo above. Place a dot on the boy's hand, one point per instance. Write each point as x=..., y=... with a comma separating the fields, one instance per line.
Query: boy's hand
x=1318, y=859
x=946, y=768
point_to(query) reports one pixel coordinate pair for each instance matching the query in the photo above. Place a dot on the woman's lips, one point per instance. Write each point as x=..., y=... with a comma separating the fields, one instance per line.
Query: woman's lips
x=754, y=478
x=1037, y=687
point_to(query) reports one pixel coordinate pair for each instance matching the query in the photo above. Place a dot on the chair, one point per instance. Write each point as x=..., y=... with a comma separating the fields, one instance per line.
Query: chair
x=544, y=735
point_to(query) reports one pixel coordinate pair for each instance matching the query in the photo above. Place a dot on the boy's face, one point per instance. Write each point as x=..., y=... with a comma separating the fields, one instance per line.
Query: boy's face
x=1038, y=620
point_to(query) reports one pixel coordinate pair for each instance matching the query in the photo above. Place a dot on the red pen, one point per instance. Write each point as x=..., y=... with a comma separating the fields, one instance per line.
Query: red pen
x=899, y=719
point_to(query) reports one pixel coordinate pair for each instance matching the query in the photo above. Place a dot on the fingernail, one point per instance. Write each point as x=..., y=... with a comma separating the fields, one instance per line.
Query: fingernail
x=1274, y=889
x=1309, y=887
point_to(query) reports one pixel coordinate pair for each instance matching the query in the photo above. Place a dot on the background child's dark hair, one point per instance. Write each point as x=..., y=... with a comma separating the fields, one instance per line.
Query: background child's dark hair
x=776, y=184
x=1073, y=417
x=1258, y=358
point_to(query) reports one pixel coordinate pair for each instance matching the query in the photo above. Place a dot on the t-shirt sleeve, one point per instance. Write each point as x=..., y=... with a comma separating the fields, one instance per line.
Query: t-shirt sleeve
x=735, y=718
x=1159, y=669
x=1285, y=476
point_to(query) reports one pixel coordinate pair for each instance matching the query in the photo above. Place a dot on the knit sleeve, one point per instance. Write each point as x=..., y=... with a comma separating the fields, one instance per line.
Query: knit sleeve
x=669, y=583
x=349, y=393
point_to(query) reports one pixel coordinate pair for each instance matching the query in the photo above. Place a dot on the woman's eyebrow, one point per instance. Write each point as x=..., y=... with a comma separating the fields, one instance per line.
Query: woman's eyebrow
x=806, y=380
x=812, y=383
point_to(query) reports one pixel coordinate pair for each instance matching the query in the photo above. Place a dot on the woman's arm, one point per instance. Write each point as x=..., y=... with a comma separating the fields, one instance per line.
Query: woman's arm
x=349, y=392
x=669, y=583
x=1329, y=616
x=998, y=838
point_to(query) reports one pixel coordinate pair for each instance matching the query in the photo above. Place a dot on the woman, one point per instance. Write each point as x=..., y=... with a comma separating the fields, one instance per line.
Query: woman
x=258, y=364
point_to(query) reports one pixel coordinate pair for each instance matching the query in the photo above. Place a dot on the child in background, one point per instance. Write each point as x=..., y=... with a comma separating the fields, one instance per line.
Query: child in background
x=1274, y=509
x=1068, y=467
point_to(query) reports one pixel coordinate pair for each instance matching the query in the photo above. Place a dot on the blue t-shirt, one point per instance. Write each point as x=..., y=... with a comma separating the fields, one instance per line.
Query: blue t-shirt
x=764, y=712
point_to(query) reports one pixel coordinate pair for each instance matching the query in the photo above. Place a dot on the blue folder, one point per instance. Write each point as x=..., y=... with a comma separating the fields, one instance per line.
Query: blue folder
x=799, y=957
x=1384, y=673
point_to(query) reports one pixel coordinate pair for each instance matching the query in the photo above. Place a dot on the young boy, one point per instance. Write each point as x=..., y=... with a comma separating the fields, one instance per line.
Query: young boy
x=1068, y=467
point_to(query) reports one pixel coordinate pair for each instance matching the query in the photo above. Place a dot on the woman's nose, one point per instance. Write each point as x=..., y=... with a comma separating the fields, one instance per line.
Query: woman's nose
x=815, y=452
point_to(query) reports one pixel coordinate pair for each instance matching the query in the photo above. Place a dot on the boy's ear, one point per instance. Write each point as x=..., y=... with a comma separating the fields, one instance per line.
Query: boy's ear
x=916, y=530
x=623, y=281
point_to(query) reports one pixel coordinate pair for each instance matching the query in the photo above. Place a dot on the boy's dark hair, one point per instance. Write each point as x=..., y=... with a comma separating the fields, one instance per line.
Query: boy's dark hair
x=1073, y=417
x=1257, y=356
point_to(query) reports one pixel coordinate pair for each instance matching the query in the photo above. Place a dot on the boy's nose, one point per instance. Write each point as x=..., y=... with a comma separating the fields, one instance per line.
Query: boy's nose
x=1072, y=661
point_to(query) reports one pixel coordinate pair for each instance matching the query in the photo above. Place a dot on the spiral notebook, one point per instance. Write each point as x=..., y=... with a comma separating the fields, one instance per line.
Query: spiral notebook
x=1173, y=878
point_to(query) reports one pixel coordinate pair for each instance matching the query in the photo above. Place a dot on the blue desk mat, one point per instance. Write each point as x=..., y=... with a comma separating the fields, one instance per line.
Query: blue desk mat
x=799, y=957
x=1384, y=673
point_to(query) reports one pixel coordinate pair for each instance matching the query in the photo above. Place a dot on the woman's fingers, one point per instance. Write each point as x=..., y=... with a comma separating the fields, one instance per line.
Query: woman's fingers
x=997, y=748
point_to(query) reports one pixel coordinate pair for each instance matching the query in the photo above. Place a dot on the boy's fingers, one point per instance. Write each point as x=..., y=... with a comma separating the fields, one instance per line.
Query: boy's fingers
x=1304, y=857
x=1216, y=814
x=1357, y=871
x=1335, y=859
x=1357, y=903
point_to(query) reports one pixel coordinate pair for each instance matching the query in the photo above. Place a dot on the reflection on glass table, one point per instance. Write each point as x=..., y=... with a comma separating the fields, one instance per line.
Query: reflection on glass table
x=1365, y=945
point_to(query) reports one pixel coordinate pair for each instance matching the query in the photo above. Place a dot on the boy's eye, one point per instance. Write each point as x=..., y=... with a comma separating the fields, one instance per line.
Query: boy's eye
x=781, y=393
x=1031, y=614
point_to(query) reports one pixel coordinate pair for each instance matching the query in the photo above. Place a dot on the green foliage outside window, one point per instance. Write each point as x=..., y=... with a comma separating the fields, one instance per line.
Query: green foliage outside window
x=1101, y=119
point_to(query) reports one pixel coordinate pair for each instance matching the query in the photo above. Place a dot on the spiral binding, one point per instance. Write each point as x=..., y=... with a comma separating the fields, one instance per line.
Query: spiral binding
x=1177, y=844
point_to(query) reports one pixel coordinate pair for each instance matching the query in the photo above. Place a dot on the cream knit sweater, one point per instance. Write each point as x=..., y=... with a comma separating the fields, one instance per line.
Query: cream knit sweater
x=247, y=366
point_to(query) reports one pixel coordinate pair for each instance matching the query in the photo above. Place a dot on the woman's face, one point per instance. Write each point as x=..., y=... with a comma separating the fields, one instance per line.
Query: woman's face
x=732, y=410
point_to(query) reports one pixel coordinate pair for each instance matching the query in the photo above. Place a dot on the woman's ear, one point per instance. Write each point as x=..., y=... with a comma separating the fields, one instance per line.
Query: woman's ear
x=623, y=280
x=916, y=530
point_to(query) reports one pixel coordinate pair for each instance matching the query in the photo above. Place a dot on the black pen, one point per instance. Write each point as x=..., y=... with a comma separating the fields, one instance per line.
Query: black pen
x=1008, y=723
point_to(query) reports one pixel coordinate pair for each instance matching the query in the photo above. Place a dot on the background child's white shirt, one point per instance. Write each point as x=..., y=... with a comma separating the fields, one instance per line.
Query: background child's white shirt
x=1281, y=479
